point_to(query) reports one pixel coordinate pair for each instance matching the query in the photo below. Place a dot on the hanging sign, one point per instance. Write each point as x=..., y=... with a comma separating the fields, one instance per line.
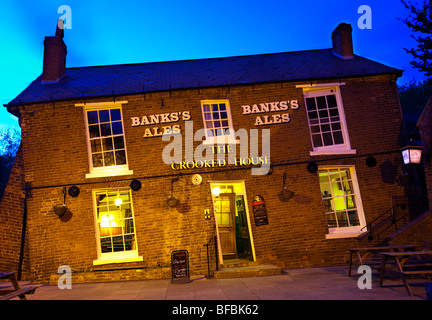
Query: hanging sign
x=180, y=266
x=259, y=210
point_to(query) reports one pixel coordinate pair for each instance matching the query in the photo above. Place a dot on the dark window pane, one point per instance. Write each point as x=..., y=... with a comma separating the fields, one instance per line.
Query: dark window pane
x=118, y=143
x=225, y=123
x=120, y=157
x=325, y=128
x=222, y=107
x=217, y=124
x=115, y=114
x=331, y=101
x=310, y=103
x=107, y=144
x=207, y=116
x=104, y=116
x=323, y=114
x=327, y=138
x=96, y=145
x=209, y=125
x=206, y=108
x=215, y=107
x=321, y=102
x=215, y=115
x=334, y=112
x=94, y=131
x=338, y=138
x=316, y=138
x=224, y=115
x=92, y=117
x=97, y=160
x=336, y=126
x=117, y=128
x=105, y=129
x=313, y=115
x=109, y=158
x=315, y=129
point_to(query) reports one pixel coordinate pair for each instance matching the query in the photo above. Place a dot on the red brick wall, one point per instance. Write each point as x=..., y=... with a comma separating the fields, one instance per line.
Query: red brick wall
x=55, y=154
x=11, y=220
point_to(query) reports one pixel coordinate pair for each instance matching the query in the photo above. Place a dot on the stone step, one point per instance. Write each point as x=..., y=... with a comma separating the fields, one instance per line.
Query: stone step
x=247, y=271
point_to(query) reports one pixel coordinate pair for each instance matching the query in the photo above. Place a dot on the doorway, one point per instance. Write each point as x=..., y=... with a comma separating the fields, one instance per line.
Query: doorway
x=232, y=221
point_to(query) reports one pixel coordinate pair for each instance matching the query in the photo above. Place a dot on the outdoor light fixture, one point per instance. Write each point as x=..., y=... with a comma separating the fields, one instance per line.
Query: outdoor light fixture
x=216, y=191
x=412, y=153
x=118, y=201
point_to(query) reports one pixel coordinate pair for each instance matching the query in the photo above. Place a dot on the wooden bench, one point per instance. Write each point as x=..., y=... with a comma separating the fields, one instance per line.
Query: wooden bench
x=21, y=293
x=401, y=259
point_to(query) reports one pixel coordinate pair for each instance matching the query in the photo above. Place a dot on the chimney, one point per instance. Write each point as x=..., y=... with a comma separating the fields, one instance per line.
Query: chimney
x=54, y=61
x=342, y=41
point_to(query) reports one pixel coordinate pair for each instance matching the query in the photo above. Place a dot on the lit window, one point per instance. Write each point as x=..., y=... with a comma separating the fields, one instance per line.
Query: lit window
x=326, y=121
x=115, y=224
x=106, y=142
x=217, y=120
x=341, y=199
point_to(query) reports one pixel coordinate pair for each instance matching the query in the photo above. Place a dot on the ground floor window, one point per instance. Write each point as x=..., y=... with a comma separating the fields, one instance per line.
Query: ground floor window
x=115, y=224
x=341, y=199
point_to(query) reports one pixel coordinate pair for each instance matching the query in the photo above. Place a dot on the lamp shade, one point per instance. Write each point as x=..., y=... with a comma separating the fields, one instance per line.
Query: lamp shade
x=412, y=153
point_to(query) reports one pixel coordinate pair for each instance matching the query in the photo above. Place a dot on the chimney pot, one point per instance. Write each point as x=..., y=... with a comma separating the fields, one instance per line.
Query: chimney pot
x=54, y=61
x=342, y=41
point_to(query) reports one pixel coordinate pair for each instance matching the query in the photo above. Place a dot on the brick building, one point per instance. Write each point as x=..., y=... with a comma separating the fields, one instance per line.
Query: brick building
x=310, y=157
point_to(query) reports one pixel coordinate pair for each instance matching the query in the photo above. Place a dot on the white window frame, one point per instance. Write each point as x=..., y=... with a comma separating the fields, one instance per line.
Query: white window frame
x=120, y=256
x=310, y=91
x=105, y=171
x=354, y=231
x=224, y=139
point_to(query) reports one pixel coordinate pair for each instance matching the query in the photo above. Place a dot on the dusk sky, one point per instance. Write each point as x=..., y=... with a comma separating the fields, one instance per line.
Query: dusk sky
x=119, y=32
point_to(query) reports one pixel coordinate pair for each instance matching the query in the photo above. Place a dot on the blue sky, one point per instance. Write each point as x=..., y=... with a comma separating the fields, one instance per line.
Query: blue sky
x=117, y=32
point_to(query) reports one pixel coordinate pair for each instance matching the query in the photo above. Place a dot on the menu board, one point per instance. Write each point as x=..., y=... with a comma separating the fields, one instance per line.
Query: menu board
x=259, y=210
x=180, y=266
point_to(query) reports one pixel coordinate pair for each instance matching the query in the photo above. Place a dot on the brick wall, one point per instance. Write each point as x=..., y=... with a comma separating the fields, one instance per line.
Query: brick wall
x=55, y=154
x=11, y=220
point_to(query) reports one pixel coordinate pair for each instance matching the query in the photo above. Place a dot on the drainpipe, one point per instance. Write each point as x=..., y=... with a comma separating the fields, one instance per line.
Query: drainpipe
x=27, y=193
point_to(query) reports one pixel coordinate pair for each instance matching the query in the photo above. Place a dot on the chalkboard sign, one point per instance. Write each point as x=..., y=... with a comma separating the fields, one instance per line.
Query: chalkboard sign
x=180, y=266
x=259, y=210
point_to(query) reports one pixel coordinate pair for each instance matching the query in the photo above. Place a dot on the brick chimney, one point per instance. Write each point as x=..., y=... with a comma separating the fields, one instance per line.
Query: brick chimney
x=54, y=61
x=342, y=41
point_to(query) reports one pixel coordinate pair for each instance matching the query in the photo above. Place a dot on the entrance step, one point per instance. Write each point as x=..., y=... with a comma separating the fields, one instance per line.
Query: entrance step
x=233, y=271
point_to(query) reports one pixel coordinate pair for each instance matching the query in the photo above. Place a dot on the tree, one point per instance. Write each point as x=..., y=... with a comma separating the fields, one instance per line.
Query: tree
x=9, y=143
x=420, y=22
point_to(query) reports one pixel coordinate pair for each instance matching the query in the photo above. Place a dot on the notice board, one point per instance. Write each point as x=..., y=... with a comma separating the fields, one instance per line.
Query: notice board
x=259, y=210
x=180, y=266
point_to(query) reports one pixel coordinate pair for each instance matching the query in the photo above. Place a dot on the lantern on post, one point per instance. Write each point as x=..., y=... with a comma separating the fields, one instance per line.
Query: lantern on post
x=412, y=153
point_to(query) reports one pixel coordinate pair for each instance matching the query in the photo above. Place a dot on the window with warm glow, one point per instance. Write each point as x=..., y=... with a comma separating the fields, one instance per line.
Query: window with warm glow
x=341, y=198
x=115, y=223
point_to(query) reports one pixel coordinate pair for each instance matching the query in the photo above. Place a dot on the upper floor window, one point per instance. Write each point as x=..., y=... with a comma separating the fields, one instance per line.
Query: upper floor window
x=326, y=119
x=217, y=121
x=106, y=141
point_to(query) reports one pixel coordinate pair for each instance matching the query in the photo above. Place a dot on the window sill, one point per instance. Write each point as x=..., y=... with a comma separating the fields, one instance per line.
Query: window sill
x=109, y=172
x=108, y=260
x=221, y=141
x=332, y=152
x=343, y=235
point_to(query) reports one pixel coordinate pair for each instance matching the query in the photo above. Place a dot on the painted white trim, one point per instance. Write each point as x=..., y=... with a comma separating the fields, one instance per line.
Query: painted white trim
x=332, y=152
x=318, y=85
x=100, y=104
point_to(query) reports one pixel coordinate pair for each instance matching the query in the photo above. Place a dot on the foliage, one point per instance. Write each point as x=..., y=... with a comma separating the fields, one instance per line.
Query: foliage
x=9, y=143
x=420, y=22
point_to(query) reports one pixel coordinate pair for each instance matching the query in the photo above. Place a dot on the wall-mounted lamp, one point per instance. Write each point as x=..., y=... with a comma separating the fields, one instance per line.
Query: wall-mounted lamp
x=216, y=191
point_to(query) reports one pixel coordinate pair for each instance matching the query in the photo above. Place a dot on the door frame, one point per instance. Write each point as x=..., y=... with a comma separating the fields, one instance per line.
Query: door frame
x=243, y=193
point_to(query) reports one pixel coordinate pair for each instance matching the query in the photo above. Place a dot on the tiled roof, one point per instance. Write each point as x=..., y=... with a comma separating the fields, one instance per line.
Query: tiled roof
x=161, y=76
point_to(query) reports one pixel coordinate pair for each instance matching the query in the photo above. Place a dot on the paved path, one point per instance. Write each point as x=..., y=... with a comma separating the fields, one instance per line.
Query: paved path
x=297, y=284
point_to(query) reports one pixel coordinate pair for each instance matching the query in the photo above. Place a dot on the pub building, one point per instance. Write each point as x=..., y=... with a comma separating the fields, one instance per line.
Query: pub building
x=277, y=161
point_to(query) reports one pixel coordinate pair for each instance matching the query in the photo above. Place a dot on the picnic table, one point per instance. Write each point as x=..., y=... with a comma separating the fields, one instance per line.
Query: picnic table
x=17, y=291
x=364, y=252
x=408, y=263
